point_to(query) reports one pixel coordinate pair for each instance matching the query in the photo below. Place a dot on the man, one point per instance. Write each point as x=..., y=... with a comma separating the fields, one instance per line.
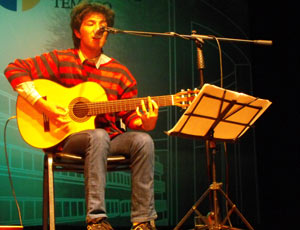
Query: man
x=86, y=62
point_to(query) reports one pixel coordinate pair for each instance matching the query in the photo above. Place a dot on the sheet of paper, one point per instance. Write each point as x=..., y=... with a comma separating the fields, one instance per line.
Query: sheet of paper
x=228, y=113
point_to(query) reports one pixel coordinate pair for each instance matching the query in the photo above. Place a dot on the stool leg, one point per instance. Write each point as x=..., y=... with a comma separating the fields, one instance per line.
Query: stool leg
x=45, y=194
x=51, y=192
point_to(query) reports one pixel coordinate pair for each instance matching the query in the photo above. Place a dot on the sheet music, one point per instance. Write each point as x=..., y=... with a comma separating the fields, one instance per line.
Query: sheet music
x=238, y=112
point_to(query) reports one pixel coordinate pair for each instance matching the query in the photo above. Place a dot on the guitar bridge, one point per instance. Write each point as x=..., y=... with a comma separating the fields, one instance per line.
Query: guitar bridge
x=46, y=123
x=46, y=120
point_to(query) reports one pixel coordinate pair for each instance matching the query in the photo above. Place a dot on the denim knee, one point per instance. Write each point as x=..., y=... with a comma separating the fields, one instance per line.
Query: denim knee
x=98, y=135
x=145, y=141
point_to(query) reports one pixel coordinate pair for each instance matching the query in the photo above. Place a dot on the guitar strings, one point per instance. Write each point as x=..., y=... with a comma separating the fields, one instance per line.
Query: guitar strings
x=116, y=105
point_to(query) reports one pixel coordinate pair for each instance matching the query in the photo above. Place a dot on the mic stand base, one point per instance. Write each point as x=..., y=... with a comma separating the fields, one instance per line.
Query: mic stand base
x=213, y=221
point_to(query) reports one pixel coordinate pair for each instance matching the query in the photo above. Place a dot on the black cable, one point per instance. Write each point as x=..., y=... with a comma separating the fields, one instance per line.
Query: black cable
x=8, y=170
x=220, y=60
x=225, y=145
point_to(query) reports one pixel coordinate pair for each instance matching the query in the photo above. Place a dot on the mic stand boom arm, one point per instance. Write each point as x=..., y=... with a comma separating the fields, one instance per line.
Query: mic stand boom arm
x=188, y=37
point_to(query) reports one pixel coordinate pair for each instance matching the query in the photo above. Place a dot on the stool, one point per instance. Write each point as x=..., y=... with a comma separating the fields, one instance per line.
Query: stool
x=71, y=163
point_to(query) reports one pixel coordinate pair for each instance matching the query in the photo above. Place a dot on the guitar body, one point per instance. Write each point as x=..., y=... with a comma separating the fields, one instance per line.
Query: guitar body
x=40, y=132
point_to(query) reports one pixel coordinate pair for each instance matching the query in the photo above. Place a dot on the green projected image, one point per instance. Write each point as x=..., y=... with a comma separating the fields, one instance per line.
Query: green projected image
x=161, y=66
x=26, y=163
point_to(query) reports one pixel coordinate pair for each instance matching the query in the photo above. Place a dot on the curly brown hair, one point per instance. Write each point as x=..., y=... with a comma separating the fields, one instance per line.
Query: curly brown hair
x=81, y=10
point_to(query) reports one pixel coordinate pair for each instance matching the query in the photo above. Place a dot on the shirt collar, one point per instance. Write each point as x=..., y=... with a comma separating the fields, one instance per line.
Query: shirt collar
x=101, y=60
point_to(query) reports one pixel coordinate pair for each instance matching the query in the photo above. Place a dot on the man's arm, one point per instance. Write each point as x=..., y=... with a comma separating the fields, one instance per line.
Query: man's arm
x=29, y=93
x=20, y=75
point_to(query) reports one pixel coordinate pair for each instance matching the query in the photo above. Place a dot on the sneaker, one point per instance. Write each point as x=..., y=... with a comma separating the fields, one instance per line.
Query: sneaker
x=143, y=226
x=101, y=225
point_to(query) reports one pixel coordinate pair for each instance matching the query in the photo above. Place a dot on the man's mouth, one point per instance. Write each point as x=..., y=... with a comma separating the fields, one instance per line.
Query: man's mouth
x=98, y=36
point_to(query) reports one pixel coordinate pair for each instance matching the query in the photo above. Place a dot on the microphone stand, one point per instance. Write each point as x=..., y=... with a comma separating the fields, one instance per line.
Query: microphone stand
x=212, y=222
x=199, y=41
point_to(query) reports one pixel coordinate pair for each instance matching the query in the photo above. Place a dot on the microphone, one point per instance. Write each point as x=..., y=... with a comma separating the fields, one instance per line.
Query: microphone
x=263, y=42
x=100, y=31
x=103, y=29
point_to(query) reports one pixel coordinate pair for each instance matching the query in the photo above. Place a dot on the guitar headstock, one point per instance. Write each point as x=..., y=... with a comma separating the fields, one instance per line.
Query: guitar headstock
x=184, y=98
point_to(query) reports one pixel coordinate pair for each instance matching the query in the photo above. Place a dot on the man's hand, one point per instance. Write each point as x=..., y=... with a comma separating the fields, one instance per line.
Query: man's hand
x=57, y=114
x=148, y=118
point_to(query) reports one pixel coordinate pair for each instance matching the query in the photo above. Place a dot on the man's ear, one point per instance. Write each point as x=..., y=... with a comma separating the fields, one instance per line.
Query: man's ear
x=77, y=33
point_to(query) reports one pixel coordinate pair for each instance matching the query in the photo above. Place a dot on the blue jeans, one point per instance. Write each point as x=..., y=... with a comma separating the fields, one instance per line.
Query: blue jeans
x=95, y=146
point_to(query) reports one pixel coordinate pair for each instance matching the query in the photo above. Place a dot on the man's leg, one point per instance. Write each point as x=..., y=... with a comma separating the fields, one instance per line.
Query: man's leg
x=140, y=147
x=93, y=145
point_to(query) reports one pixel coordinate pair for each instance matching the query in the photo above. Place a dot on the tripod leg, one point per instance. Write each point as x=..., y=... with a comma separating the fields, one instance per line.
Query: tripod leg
x=234, y=208
x=216, y=206
x=187, y=215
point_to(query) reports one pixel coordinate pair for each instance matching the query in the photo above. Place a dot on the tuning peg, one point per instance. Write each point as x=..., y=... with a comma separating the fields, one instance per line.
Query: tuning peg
x=189, y=95
x=182, y=96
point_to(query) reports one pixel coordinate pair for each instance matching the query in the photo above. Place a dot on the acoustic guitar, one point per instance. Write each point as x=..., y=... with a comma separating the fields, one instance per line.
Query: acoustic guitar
x=84, y=102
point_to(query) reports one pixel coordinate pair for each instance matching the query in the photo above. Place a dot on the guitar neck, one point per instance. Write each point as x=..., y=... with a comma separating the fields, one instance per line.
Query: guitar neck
x=102, y=107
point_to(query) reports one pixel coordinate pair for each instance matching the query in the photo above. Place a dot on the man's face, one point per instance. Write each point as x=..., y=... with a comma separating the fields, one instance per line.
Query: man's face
x=87, y=33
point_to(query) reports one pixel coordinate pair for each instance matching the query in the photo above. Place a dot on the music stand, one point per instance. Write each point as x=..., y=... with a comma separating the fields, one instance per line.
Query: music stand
x=217, y=114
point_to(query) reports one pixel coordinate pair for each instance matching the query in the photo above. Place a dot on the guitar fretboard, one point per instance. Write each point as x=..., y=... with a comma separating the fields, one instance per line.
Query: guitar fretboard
x=102, y=107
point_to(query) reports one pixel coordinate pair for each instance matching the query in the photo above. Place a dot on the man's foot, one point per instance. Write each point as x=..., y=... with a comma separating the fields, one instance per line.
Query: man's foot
x=143, y=226
x=100, y=225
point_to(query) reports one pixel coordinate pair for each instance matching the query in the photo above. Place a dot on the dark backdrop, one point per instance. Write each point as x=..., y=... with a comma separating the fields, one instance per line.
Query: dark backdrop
x=274, y=77
x=277, y=132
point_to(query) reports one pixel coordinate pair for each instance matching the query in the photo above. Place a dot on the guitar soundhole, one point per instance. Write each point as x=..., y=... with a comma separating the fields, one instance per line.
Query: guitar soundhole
x=80, y=110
